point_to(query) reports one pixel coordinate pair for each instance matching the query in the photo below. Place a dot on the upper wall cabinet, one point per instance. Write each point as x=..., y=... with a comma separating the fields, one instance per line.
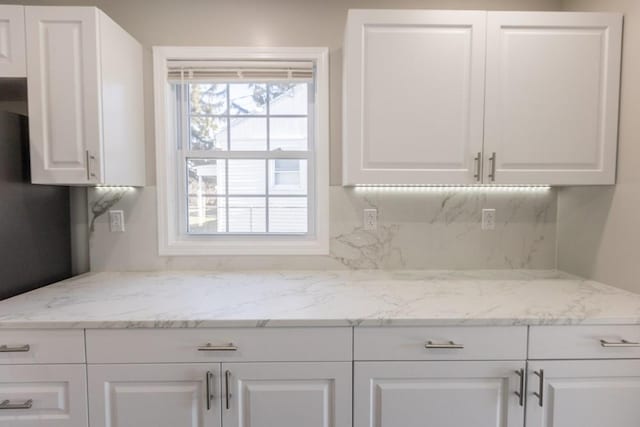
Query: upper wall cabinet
x=84, y=78
x=552, y=97
x=414, y=94
x=12, y=40
x=419, y=110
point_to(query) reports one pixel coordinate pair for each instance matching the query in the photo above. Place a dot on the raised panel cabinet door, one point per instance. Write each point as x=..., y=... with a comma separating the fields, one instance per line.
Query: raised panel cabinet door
x=438, y=394
x=414, y=94
x=553, y=82
x=171, y=395
x=43, y=396
x=63, y=95
x=12, y=42
x=584, y=393
x=286, y=394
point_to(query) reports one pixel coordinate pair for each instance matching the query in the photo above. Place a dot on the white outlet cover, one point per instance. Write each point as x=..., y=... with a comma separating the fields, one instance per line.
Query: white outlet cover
x=488, y=219
x=116, y=221
x=370, y=219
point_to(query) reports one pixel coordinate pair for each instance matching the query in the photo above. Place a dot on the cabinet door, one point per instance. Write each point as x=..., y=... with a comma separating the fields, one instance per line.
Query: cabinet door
x=585, y=394
x=414, y=94
x=12, y=42
x=43, y=396
x=437, y=394
x=287, y=394
x=154, y=395
x=63, y=93
x=552, y=97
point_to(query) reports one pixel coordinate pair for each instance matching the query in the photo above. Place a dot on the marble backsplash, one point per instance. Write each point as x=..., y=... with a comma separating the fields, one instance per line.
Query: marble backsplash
x=418, y=228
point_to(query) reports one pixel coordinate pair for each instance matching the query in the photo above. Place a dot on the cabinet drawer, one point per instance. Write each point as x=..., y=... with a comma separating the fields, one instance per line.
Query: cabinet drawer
x=225, y=344
x=41, y=346
x=43, y=396
x=584, y=342
x=441, y=343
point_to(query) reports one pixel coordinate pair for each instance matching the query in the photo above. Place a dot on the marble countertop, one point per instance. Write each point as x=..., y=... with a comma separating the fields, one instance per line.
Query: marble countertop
x=314, y=298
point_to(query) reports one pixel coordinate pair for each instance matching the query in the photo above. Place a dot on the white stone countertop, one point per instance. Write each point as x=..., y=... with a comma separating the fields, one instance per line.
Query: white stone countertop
x=320, y=298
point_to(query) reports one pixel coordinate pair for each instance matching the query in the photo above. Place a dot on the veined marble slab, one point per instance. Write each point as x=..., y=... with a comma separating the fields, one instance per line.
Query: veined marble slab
x=313, y=298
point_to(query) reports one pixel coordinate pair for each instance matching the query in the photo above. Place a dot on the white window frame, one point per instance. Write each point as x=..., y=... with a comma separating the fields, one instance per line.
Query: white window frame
x=171, y=238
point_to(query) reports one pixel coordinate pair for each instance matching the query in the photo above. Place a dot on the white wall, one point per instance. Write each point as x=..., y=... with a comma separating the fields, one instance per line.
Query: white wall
x=598, y=228
x=416, y=229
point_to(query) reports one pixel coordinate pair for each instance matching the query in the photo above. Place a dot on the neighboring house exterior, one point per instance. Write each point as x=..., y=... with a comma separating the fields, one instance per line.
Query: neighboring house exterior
x=248, y=209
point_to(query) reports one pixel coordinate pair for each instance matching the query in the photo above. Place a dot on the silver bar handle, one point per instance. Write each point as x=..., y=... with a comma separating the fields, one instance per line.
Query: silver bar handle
x=209, y=397
x=227, y=380
x=622, y=343
x=448, y=345
x=492, y=172
x=6, y=404
x=540, y=393
x=90, y=174
x=477, y=161
x=520, y=392
x=211, y=347
x=15, y=349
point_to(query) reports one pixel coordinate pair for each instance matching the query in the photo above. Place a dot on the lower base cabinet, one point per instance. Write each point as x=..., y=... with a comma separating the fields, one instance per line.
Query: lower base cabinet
x=215, y=394
x=438, y=394
x=43, y=396
x=156, y=395
x=584, y=393
x=287, y=394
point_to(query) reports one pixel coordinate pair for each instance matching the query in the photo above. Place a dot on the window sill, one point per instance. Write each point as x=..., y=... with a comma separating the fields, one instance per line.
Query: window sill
x=200, y=247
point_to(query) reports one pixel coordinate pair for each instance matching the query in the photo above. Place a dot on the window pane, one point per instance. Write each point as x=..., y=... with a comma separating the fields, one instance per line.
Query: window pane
x=289, y=98
x=288, y=134
x=248, y=98
x=288, y=215
x=248, y=133
x=208, y=133
x=288, y=177
x=208, y=217
x=247, y=215
x=247, y=177
x=208, y=98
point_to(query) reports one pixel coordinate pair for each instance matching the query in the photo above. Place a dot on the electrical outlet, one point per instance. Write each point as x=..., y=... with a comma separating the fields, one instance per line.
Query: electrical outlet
x=116, y=221
x=370, y=219
x=488, y=219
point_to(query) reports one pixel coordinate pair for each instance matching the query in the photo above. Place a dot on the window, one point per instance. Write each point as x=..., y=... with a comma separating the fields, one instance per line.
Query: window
x=242, y=142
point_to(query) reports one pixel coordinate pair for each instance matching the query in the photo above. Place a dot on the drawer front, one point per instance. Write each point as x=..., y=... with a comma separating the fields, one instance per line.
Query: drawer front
x=41, y=346
x=43, y=396
x=584, y=342
x=441, y=343
x=224, y=344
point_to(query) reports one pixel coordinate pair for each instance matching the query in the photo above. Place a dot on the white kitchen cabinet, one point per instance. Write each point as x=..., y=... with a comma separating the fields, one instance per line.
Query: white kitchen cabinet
x=438, y=394
x=419, y=109
x=43, y=396
x=84, y=79
x=168, y=395
x=287, y=394
x=414, y=93
x=13, y=61
x=552, y=94
x=584, y=393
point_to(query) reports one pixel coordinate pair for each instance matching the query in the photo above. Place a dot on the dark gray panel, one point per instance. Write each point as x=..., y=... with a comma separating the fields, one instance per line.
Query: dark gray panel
x=35, y=243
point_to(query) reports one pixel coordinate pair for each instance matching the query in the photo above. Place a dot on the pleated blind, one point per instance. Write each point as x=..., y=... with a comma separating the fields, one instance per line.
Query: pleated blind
x=229, y=71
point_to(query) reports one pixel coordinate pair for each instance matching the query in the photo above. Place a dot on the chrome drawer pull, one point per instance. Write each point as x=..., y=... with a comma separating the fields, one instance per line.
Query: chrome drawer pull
x=449, y=345
x=208, y=379
x=15, y=349
x=211, y=347
x=520, y=392
x=540, y=393
x=622, y=343
x=6, y=404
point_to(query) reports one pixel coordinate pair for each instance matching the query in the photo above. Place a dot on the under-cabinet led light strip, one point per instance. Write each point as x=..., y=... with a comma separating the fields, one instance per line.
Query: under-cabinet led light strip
x=114, y=188
x=449, y=188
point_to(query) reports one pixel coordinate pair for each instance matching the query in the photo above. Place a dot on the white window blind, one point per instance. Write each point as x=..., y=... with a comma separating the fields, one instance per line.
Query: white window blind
x=231, y=71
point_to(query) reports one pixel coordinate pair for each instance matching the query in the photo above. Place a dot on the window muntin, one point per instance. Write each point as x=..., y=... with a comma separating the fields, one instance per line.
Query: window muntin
x=246, y=155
